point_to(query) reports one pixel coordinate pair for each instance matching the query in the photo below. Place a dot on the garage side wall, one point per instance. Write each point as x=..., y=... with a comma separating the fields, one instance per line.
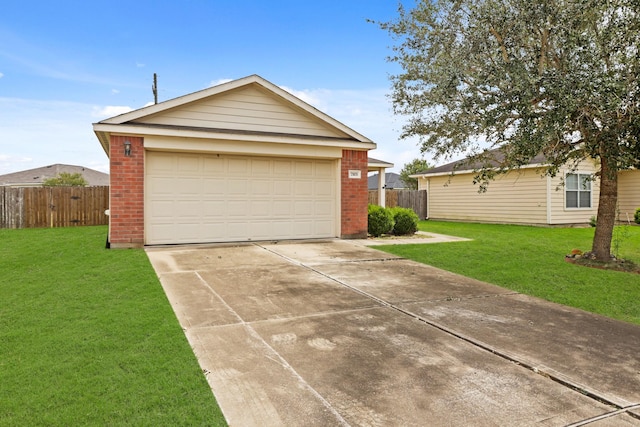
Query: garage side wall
x=126, y=201
x=354, y=195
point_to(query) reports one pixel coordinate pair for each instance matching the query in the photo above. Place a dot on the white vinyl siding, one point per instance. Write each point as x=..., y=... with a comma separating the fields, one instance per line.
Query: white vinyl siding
x=578, y=191
x=197, y=198
x=249, y=108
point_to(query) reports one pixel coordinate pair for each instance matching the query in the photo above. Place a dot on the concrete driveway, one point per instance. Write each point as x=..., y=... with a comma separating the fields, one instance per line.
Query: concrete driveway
x=335, y=333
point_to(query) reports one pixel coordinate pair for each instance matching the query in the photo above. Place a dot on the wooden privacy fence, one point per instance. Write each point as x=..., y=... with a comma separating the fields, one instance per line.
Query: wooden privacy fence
x=31, y=207
x=413, y=199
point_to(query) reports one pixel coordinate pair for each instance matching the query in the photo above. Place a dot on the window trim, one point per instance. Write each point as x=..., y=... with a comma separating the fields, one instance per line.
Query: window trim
x=579, y=190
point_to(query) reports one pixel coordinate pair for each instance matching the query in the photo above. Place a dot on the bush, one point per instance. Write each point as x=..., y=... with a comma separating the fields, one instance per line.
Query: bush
x=593, y=221
x=405, y=221
x=380, y=220
x=636, y=216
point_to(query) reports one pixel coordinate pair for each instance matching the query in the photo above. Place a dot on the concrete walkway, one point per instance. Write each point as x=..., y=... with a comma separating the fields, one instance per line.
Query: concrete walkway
x=336, y=333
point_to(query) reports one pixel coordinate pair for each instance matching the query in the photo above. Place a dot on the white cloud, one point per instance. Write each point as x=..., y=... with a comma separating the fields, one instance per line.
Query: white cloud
x=115, y=91
x=140, y=65
x=219, y=82
x=1, y=75
x=47, y=132
x=308, y=96
x=110, y=111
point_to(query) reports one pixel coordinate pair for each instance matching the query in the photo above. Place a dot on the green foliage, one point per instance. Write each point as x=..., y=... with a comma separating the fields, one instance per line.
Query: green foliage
x=66, y=179
x=405, y=221
x=593, y=221
x=87, y=337
x=380, y=220
x=530, y=260
x=516, y=73
x=411, y=168
x=636, y=216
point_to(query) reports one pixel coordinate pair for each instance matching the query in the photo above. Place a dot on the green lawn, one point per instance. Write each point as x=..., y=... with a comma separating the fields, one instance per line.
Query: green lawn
x=530, y=260
x=87, y=337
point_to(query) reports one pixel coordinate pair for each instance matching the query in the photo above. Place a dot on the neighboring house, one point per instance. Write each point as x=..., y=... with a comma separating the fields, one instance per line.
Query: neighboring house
x=391, y=179
x=241, y=161
x=35, y=177
x=523, y=196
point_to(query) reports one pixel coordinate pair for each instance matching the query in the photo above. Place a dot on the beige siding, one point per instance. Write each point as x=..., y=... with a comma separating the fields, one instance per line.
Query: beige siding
x=518, y=197
x=249, y=108
x=521, y=197
x=563, y=215
x=628, y=193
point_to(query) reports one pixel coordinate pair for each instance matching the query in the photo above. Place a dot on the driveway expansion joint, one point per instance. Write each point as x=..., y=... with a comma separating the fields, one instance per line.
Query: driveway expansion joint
x=518, y=360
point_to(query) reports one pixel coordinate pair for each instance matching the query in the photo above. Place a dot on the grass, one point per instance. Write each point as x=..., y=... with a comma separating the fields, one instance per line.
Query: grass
x=530, y=260
x=87, y=337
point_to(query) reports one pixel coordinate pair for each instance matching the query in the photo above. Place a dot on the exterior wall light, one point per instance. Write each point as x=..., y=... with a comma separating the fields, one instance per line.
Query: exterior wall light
x=127, y=148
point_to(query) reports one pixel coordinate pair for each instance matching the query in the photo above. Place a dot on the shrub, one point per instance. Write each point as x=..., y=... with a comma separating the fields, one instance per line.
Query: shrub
x=405, y=221
x=593, y=221
x=380, y=220
x=636, y=216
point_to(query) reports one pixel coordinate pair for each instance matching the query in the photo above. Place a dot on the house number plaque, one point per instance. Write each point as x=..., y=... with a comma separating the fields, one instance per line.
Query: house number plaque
x=354, y=174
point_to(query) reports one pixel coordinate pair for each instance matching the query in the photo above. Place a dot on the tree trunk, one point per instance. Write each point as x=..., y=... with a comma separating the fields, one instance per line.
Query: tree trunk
x=606, y=219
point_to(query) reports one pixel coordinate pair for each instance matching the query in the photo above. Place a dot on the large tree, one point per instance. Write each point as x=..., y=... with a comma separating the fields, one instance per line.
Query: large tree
x=557, y=77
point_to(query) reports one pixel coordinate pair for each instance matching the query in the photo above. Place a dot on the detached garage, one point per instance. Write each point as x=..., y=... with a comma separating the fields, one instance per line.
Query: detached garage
x=242, y=161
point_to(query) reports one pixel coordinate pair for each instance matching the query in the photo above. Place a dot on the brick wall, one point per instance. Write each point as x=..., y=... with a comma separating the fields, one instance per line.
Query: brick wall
x=354, y=196
x=126, y=203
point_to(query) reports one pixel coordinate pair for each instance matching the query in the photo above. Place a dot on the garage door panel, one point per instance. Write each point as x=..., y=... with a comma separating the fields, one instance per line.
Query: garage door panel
x=161, y=209
x=323, y=188
x=213, y=186
x=213, y=164
x=303, y=188
x=238, y=208
x=282, y=208
x=222, y=198
x=186, y=186
x=237, y=187
x=323, y=209
x=324, y=170
x=303, y=208
x=303, y=169
x=261, y=187
x=282, y=188
x=282, y=168
x=188, y=209
x=260, y=167
x=214, y=209
x=238, y=167
x=188, y=165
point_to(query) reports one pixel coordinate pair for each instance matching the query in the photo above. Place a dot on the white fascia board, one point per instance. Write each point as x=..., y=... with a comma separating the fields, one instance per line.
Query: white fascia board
x=137, y=130
x=466, y=171
x=380, y=165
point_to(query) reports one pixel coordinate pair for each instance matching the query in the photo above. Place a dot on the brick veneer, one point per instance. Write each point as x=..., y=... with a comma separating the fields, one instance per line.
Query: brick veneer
x=354, y=195
x=126, y=199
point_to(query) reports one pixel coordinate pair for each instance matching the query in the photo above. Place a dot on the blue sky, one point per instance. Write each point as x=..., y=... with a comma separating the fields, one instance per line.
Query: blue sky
x=67, y=64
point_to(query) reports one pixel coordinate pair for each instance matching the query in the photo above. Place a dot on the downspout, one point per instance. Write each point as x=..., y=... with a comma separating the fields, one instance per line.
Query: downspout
x=428, y=197
x=548, y=200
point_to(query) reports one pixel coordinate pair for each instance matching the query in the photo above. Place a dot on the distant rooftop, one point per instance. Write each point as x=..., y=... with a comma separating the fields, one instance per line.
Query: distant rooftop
x=35, y=177
x=391, y=180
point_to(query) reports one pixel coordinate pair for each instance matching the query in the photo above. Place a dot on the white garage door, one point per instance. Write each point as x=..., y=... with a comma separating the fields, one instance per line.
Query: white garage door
x=193, y=198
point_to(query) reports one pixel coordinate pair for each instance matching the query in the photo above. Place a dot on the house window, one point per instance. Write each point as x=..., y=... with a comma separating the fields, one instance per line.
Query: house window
x=578, y=190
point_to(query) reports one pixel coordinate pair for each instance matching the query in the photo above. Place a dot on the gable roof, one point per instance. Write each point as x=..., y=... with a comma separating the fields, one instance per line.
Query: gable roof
x=36, y=176
x=495, y=158
x=391, y=180
x=206, y=114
